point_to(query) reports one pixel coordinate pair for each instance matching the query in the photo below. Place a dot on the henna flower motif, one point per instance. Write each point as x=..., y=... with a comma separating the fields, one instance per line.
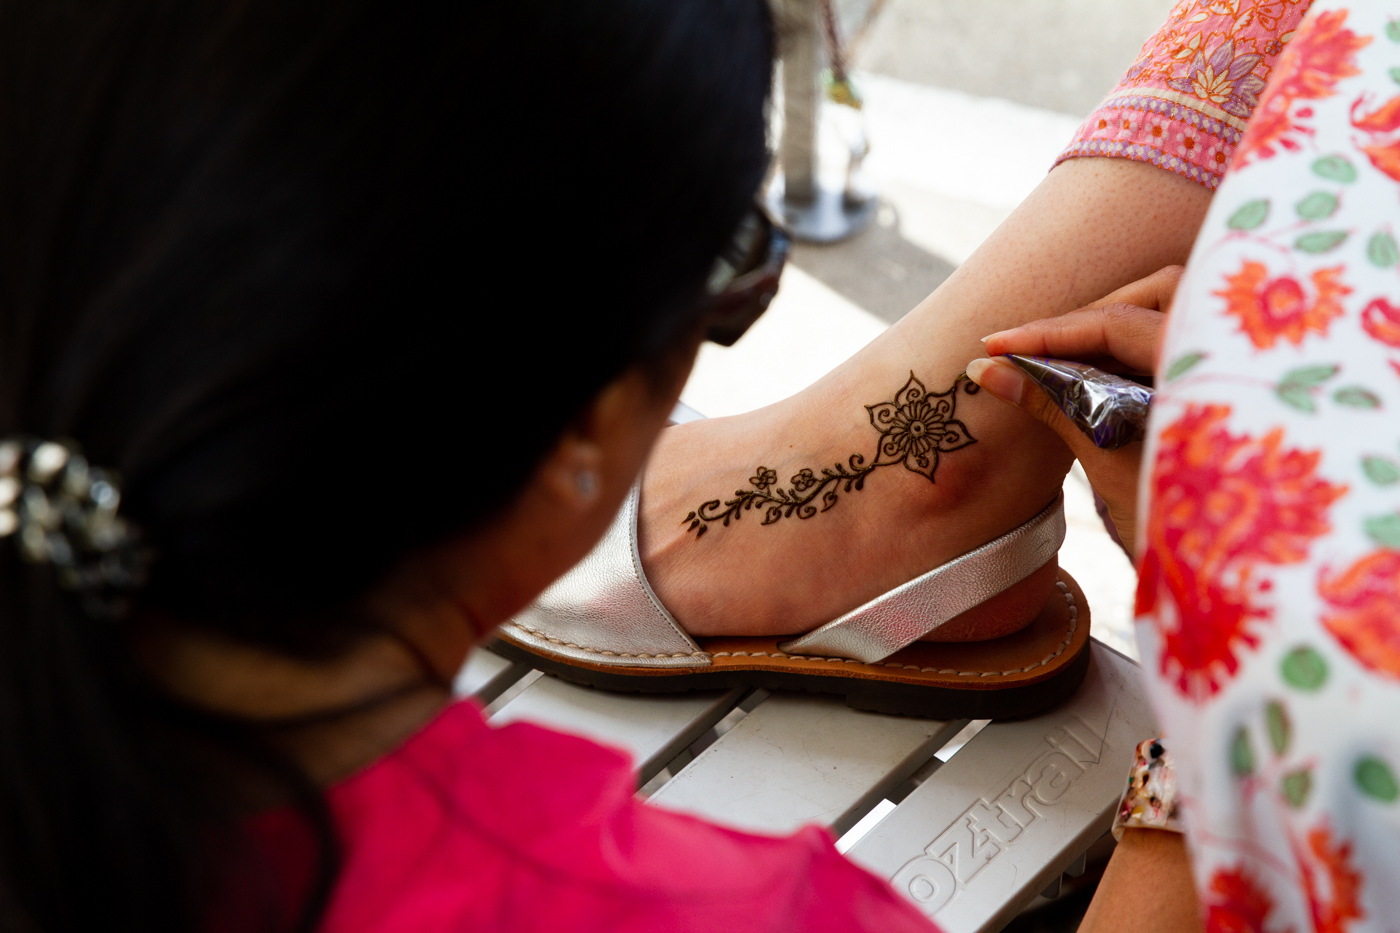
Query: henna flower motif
x=1224, y=507
x=804, y=480
x=763, y=477
x=916, y=427
x=1270, y=308
x=1365, y=604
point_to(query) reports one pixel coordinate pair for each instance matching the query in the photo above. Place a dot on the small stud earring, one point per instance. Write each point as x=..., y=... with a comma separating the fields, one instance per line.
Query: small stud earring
x=587, y=482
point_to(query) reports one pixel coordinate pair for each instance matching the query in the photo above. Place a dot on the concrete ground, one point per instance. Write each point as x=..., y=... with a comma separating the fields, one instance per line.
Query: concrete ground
x=967, y=104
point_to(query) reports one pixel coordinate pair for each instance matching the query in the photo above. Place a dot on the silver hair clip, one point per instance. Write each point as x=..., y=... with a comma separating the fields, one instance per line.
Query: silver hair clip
x=60, y=510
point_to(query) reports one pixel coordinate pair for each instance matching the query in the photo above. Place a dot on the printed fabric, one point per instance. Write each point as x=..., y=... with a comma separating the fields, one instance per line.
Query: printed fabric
x=1185, y=102
x=1268, y=605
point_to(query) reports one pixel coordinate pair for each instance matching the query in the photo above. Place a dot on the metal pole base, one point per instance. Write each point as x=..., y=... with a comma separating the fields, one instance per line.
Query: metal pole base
x=827, y=218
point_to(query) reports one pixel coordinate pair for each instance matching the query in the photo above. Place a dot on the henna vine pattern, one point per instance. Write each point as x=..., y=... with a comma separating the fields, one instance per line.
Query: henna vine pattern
x=914, y=429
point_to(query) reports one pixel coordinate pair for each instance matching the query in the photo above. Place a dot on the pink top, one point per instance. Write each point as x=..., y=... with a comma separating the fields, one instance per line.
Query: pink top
x=1185, y=102
x=469, y=827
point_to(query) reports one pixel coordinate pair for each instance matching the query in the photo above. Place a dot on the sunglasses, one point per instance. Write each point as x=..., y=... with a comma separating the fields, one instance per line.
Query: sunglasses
x=745, y=277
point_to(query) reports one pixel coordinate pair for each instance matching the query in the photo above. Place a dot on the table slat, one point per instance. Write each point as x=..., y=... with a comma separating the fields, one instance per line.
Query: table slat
x=654, y=728
x=1016, y=806
x=486, y=675
x=798, y=759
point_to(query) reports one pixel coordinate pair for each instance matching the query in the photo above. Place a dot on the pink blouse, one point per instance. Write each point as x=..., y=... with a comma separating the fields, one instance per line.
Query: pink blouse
x=469, y=827
x=1185, y=102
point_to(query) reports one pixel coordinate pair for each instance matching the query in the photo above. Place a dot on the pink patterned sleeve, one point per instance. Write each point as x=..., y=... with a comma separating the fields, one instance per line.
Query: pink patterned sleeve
x=1185, y=102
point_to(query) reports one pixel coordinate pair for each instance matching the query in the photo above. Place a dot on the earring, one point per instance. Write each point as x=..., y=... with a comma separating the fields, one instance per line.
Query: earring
x=587, y=482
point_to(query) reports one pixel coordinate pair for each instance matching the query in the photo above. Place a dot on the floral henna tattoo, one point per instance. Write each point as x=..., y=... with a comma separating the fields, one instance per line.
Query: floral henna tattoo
x=914, y=429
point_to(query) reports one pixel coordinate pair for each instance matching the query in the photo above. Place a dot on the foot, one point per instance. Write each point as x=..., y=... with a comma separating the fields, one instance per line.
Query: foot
x=902, y=515
x=1092, y=226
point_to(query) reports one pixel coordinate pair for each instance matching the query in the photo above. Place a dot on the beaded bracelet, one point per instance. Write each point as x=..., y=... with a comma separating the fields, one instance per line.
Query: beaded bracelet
x=1150, y=800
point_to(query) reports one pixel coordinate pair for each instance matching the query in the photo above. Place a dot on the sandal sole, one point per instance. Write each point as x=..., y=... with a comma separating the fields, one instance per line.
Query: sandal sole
x=1017, y=675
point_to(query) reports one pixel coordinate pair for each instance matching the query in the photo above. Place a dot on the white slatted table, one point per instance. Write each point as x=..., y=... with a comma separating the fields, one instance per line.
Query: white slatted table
x=970, y=842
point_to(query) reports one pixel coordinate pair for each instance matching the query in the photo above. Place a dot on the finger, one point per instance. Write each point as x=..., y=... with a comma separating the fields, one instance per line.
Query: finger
x=1005, y=381
x=1155, y=292
x=1112, y=473
x=1128, y=333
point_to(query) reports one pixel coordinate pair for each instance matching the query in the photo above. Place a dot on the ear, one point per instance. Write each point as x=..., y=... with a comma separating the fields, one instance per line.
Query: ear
x=599, y=456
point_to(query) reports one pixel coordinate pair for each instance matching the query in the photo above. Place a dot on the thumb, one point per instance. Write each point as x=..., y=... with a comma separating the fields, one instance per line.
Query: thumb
x=1004, y=380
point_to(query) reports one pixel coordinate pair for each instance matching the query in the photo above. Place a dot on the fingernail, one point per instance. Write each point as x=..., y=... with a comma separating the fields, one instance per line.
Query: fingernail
x=997, y=378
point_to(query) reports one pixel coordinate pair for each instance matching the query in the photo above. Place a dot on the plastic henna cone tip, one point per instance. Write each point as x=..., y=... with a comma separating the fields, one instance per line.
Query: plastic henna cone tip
x=1110, y=410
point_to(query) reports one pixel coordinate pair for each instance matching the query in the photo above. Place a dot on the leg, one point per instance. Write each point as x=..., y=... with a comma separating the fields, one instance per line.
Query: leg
x=1092, y=226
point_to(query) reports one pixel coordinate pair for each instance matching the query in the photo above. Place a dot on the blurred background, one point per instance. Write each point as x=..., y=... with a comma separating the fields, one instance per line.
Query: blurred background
x=966, y=105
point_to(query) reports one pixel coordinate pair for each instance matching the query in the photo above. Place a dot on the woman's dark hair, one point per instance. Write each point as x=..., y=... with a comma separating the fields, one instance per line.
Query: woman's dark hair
x=323, y=280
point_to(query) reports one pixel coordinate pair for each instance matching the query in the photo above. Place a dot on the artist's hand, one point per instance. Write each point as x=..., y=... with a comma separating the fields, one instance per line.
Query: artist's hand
x=1121, y=332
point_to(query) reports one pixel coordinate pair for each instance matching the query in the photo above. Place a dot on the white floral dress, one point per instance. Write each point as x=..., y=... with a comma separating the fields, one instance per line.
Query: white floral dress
x=1269, y=579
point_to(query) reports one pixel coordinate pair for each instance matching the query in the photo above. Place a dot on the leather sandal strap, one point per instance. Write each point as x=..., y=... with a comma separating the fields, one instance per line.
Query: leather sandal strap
x=907, y=613
x=603, y=611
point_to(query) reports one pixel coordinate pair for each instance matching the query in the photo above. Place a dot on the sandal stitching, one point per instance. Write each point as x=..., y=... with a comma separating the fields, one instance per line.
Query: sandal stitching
x=1069, y=636
x=611, y=654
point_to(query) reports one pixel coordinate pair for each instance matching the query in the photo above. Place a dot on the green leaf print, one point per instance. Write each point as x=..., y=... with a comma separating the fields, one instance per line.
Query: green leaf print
x=1320, y=242
x=1250, y=215
x=1183, y=364
x=1304, y=669
x=1395, y=75
x=1335, y=168
x=1384, y=530
x=1296, y=785
x=1356, y=397
x=1310, y=375
x=1392, y=30
x=1296, y=396
x=1382, y=251
x=1376, y=780
x=1241, y=754
x=1280, y=730
x=1317, y=205
x=1381, y=470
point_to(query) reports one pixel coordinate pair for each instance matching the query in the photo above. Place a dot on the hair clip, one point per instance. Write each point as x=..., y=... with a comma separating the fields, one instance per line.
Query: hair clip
x=62, y=511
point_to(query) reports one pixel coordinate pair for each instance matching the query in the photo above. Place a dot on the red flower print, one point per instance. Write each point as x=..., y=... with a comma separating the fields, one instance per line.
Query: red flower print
x=1383, y=149
x=1236, y=903
x=1270, y=308
x=1332, y=884
x=1222, y=505
x=1381, y=320
x=1322, y=53
x=1365, y=609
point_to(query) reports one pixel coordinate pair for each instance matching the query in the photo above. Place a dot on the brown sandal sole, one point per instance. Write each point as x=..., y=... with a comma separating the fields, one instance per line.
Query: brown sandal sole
x=1017, y=675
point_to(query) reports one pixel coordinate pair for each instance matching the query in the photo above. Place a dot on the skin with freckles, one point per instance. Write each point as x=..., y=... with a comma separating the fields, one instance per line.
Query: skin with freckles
x=1121, y=333
x=1093, y=226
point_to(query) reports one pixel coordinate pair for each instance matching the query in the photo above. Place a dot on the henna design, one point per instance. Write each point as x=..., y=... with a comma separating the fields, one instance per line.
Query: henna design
x=914, y=429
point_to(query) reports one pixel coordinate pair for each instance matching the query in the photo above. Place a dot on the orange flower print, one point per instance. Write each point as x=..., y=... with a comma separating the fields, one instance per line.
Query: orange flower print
x=1223, y=505
x=1381, y=320
x=1270, y=308
x=1236, y=903
x=1331, y=883
x=1365, y=609
x=1323, y=52
x=1382, y=148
